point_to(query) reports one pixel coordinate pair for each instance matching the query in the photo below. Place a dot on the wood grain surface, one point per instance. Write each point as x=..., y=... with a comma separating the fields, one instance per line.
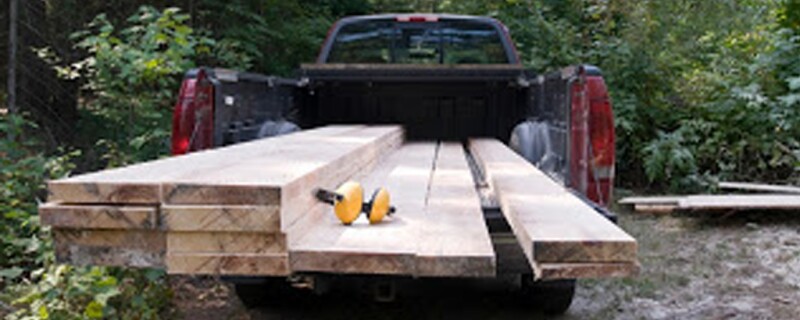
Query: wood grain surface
x=551, y=224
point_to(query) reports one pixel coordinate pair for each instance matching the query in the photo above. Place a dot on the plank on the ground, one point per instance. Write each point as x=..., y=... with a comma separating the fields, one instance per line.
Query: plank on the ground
x=388, y=247
x=132, y=248
x=759, y=187
x=749, y=201
x=220, y=218
x=654, y=200
x=98, y=216
x=455, y=240
x=551, y=224
x=225, y=242
x=141, y=183
x=553, y=271
x=228, y=264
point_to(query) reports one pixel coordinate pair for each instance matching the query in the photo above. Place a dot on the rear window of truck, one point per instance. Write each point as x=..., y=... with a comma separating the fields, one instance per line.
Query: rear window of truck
x=441, y=42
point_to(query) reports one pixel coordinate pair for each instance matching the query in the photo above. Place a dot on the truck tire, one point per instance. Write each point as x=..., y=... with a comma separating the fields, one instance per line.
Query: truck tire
x=272, y=128
x=266, y=292
x=531, y=140
x=553, y=297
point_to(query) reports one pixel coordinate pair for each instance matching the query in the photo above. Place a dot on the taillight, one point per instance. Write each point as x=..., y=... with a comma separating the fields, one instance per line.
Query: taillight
x=417, y=18
x=193, y=116
x=592, y=152
x=601, y=135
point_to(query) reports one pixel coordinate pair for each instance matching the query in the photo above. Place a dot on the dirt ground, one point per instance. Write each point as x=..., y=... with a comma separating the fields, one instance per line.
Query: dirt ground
x=694, y=266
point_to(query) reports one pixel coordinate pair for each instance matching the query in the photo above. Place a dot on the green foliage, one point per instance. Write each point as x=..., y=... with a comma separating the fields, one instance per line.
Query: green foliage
x=275, y=35
x=23, y=169
x=30, y=281
x=65, y=292
x=130, y=78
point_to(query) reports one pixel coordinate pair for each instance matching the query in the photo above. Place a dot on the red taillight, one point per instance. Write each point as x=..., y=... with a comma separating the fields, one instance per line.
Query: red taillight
x=418, y=18
x=592, y=152
x=601, y=134
x=192, y=118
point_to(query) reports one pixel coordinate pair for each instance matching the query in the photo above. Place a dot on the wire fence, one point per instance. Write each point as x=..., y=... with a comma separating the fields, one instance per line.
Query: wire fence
x=39, y=93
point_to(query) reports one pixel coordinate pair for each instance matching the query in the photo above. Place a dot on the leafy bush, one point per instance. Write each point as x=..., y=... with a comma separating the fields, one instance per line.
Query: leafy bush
x=702, y=91
x=31, y=284
x=129, y=81
x=131, y=77
x=23, y=169
x=66, y=292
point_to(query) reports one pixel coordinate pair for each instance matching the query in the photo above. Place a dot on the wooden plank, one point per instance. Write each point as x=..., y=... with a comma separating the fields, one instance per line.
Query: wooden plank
x=103, y=193
x=289, y=177
x=654, y=200
x=455, y=241
x=551, y=224
x=228, y=264
x=389, y=247
x=141, y=183
x=227, y=218
x=741, y=202
x=98, y=216
x=374, y=143
x=225, y=242
x=131, y=248
x=759, y=187
x=553, y=271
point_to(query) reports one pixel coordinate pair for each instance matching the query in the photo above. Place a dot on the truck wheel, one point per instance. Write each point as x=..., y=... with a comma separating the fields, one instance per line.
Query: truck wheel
x=268, y=292
x=531, y=140
x=272, y=128
x=552, y=297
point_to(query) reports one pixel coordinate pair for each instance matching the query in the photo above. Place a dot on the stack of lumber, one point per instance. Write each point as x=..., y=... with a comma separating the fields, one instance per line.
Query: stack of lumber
x=249, y=209
x=778, y=197
x=223, y=211
x=561, y=236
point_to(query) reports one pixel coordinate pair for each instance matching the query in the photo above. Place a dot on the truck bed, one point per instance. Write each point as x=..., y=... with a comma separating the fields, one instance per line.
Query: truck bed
x=248, y=210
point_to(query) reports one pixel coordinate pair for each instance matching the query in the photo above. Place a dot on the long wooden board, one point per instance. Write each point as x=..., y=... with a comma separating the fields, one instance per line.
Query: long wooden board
x=98, y=216
x=288, y=177
x=653, y=200
x=551, y=224
x=131, y=248
x=389, y=247
x=454, y=239
x=219, y=218
x=228, y=264
x=759, y=187
x=552, y=271
x=740, y=202
x=226, y=242
x=141, y=183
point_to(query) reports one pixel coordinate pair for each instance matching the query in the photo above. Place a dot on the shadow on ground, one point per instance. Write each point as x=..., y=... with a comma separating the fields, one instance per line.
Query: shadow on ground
x=742, y=265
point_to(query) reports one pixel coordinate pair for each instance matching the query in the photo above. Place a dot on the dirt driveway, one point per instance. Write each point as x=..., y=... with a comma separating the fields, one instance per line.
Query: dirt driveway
x=694, y=266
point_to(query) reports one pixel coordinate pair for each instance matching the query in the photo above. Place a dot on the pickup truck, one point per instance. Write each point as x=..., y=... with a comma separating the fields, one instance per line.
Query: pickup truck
x=443, y=77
